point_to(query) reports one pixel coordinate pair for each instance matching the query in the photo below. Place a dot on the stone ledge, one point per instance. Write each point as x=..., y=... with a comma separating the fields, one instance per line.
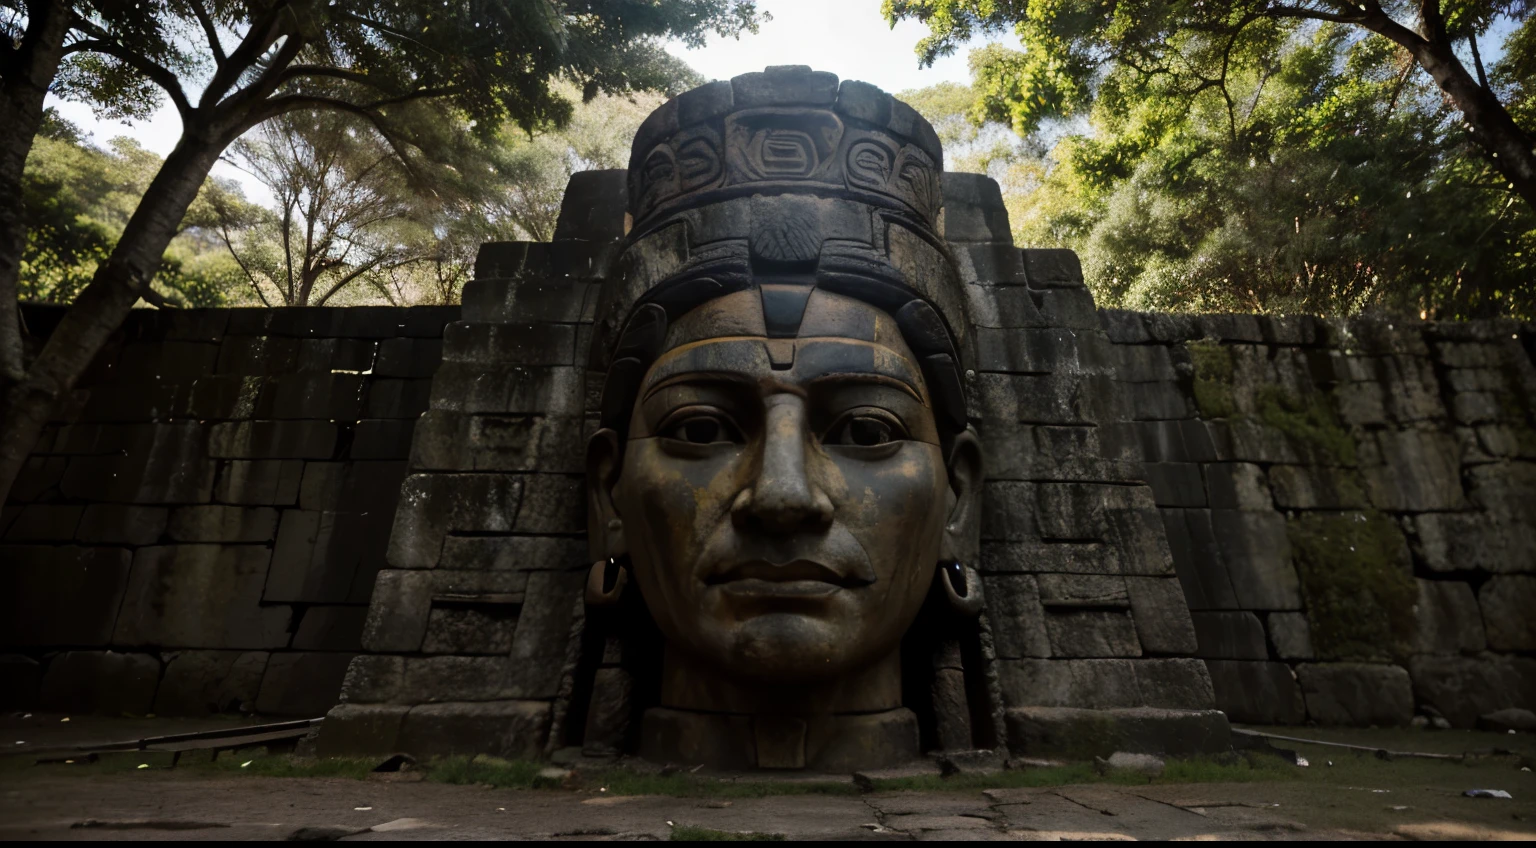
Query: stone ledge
x=1083, y=734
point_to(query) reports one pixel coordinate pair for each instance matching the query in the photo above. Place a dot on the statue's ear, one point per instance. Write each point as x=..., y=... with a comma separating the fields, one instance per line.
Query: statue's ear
x=962, y=527
x=605, y=528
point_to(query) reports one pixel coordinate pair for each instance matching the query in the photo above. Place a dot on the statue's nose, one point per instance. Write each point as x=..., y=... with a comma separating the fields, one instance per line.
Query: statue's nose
x=785, y=495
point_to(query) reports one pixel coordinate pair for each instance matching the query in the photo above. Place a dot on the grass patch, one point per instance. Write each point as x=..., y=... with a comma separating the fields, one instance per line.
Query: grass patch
x=285, y=765
x=689, y=833
x=484, y=770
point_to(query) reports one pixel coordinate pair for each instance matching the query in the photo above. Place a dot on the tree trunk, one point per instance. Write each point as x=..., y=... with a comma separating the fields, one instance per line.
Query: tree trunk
x=27, y=74
x=1492, y=126
x=103, y=305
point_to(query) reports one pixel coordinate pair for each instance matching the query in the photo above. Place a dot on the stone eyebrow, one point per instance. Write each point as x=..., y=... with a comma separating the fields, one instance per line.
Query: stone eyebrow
x=867, y=377
x=699, y=377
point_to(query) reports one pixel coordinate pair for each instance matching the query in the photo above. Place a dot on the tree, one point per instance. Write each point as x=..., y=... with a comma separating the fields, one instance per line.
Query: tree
x=1198, y=45
x=493, y=60
x=78, y=197
x=342, y=206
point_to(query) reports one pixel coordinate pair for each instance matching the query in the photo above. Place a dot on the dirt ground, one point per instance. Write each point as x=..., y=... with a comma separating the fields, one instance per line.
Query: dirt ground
x=1340, y=794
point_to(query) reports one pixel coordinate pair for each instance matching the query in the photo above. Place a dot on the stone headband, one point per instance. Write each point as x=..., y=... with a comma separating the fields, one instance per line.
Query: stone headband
x=784, y=181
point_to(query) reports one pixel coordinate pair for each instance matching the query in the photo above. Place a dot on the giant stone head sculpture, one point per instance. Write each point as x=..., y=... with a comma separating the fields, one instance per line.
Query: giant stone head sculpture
x=784, y=470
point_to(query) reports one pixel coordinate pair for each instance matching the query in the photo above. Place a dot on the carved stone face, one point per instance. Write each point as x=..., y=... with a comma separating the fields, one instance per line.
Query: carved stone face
x=784, y=500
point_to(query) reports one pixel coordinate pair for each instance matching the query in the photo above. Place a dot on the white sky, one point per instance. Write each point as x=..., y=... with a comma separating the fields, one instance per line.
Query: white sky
x=847, y=37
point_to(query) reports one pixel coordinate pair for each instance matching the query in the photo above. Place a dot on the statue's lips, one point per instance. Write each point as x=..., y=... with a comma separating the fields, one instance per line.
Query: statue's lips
x=801, y=577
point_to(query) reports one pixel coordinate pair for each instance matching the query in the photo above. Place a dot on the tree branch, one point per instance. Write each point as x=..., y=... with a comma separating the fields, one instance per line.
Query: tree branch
x=210, y=30
x=264, y=33
x=157, y=73
x=1477, y=61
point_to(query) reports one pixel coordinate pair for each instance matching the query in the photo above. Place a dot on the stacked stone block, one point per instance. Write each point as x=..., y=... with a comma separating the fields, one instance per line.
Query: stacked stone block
x=1349, y=505
x=1083, y=604
x=475, y=625
x=199, y=527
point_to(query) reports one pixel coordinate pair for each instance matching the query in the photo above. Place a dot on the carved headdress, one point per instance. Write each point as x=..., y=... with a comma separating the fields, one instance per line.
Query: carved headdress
x=784, y=181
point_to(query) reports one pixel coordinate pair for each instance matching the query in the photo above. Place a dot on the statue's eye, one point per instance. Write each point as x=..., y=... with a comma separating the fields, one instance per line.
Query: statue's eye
x=865, y=430
x=702, y=429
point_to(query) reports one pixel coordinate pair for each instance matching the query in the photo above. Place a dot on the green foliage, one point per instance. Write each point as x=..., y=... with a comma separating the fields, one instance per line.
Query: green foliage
x=79, y=197
x=1214, y=158
x=485, y=770
x=1357, y=581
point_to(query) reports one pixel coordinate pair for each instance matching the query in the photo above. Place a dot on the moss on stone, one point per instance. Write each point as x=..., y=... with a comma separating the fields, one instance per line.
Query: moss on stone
x=1310, y=420
x=1214, y=371
x=1357, y=581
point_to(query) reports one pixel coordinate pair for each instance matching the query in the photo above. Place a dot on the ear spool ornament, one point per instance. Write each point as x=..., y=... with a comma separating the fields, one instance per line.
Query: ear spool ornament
x=962, y=589
x=606, y=581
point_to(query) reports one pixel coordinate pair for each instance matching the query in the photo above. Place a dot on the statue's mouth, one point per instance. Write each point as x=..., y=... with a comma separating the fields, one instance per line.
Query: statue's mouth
x=800, y=577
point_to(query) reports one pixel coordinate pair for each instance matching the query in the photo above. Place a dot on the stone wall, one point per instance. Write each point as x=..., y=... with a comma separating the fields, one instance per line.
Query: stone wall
x=199, y=528
x=1351, y=507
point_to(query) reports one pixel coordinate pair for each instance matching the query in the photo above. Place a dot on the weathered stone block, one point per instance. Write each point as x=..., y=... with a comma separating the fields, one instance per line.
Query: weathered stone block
x=1176, y=484
x=222, y=524
x=331, y=628
x=403, y=599
x=1257, y=692
x=1091, y=633
x=200, y=596
x=1258, y=558
x=538, y=343
x=1311, y=487
x=1157, y=401
x=1008, y=511
x=408, y=357
x=1018, y=620
x=272, y=440
x=1291, y=634
x=21, y=678
x=543, y=635
x=261, y=482
x=165, y=361
x=467, y=629
x=1509, y=612
x=354, y=487
x=1463, y=688
x=435, y=505
x=1229, y=636
x=44, y=523
x=1125, y=327
x=375, y=679
x=1162, y=616
x=1070, y=511
x=1137, y=536
x=1412, y=470
x=513, y=553
x=1448, y=618
x=382, y=439
x=1182, y=684
x=38, y=476
x=1084, y=733
x=452, y=441
x=321, y=556
x=1356, y=694
x=257, y=356
x=552, y=503
x=547, y=390
x=306, y=683
x=500, y=728
x=1052, y=267
x=1042, y=351
x=1090, y=684
x=1073, y=591
x=1238, y=485
x=122, y=524
x=1197, y=560
x=197, y=683
x=103, y=682
x=1049, y=557
x=337, y=355
x=322, y=396
x=398, y=398
x=357, y=730
x=60, y=595
x=170, y=465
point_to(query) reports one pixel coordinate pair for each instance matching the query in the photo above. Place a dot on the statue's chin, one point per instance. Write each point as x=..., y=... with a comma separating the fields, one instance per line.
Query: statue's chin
x=790, y=648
